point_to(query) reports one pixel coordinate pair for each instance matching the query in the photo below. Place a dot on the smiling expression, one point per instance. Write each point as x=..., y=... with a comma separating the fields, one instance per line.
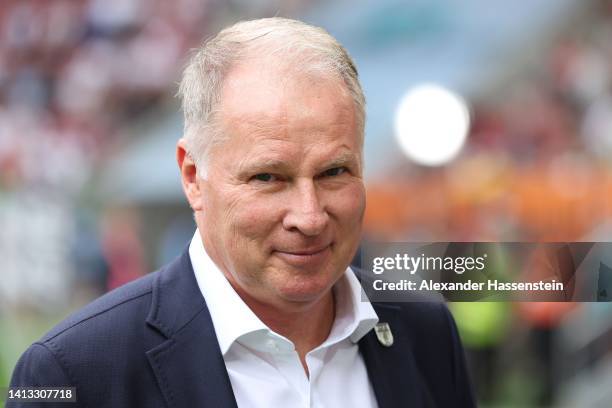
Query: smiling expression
x=283, y=201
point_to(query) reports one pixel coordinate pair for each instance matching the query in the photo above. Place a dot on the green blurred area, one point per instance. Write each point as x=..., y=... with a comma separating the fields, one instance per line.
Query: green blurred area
x=18, y=332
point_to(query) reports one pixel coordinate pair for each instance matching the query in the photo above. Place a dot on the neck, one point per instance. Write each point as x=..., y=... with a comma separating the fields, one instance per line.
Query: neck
x=307, y=326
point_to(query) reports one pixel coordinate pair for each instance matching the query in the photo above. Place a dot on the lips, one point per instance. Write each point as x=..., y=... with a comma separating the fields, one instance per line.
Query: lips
x=305, y=256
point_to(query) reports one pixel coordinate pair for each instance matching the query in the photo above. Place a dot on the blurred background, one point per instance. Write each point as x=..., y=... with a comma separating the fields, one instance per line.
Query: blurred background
x=487, y=121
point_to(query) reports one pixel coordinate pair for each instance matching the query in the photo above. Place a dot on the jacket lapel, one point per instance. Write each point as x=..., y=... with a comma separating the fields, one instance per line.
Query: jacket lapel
x=187, y=363
x=392, y=370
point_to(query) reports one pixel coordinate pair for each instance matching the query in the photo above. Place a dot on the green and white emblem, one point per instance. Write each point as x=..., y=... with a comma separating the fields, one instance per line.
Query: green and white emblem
x=383, y=333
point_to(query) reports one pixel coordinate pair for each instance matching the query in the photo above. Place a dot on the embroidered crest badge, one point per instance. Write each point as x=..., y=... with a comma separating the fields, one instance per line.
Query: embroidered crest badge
x=383, y=333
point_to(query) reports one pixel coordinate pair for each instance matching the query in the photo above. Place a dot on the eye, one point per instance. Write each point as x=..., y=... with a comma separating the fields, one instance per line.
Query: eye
x=264, y=177
x=333, y=172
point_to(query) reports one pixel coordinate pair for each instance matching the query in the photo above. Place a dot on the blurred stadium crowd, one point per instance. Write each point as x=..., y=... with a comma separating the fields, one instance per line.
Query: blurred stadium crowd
x=537, y=165
x=74, y=74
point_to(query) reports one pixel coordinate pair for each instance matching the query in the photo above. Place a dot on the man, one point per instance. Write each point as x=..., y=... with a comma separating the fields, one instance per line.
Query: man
x=262, y=309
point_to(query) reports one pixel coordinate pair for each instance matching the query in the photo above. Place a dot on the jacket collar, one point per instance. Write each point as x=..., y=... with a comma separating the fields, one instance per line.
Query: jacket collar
x=392, y=370
x=188, y=363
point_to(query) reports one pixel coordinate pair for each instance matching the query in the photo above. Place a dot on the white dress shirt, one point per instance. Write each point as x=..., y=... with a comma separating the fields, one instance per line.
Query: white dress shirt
x=264, y=368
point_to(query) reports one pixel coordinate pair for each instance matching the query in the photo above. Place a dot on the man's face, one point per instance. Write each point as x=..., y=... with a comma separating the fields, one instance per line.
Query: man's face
x=283, y=202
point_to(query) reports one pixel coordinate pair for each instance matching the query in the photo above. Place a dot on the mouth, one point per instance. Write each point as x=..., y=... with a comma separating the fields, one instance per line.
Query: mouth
x=305, y=257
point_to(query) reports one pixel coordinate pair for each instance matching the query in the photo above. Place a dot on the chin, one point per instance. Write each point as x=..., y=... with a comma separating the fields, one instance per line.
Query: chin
x=306, y=289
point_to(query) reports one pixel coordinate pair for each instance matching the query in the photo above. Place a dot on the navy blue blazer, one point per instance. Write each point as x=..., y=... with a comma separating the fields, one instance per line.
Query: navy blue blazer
x=151, y=344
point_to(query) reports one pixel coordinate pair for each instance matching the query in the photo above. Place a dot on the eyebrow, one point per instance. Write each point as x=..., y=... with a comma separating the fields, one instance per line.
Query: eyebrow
x=345, y=158
x=265, y=165
x=272, y=164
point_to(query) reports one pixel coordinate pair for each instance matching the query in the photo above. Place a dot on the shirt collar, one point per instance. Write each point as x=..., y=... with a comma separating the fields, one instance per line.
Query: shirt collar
x=234, y=320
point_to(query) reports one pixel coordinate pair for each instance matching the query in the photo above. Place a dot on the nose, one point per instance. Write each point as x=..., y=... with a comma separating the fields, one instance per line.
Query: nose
x=306, y=213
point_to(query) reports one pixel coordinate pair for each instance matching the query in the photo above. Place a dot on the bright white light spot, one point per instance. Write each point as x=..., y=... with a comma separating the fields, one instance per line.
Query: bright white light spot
x=431, y=124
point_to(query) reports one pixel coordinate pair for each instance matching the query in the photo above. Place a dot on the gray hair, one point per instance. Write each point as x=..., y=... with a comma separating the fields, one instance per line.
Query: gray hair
x=202, y=80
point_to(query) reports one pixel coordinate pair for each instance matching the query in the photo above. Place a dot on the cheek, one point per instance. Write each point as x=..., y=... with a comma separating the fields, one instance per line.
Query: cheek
x=349, y=205
x=251, y=218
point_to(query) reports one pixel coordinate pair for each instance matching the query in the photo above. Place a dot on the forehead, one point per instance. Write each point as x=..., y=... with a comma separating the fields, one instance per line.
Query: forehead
x=267, y=95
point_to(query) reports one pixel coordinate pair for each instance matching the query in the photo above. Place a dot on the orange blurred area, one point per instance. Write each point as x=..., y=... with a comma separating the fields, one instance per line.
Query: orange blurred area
x=486, y=199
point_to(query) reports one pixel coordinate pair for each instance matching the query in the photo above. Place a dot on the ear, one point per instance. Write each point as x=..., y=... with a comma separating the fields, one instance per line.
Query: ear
x=189, y=177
